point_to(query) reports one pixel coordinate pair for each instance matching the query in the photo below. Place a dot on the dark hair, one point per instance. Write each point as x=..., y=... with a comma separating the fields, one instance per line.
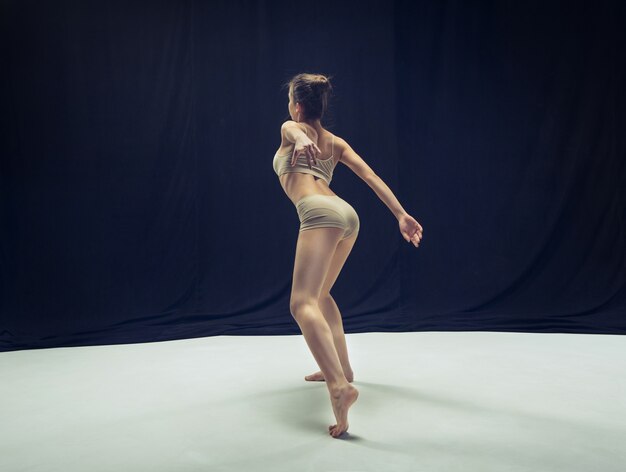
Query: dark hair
x=311, y=91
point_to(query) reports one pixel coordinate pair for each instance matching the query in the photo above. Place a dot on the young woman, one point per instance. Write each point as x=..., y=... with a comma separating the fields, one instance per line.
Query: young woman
x=329, y=227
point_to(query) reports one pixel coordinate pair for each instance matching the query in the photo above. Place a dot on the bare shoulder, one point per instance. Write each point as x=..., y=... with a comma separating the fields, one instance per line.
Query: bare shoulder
x=346, y=153
x=351, y=159
x=341, y=145
x=301, y=126
x=289, y=123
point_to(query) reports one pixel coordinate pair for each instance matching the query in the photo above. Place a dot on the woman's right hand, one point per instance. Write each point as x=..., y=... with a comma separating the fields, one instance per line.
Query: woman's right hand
x=304, y=146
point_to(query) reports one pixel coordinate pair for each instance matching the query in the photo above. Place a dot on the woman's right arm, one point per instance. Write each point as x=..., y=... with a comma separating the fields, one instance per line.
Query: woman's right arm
x=302, y=143
x=291, y=131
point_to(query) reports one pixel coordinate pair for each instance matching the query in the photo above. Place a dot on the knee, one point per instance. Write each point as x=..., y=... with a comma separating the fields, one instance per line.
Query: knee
x=298, y=305
x=325, y=297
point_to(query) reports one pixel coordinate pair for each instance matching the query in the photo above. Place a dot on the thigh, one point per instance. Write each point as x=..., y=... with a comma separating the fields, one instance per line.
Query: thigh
x=337, y=262
x=314, y=252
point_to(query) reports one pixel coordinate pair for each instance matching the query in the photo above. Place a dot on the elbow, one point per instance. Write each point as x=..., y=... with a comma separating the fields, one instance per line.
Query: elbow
x=370, y=177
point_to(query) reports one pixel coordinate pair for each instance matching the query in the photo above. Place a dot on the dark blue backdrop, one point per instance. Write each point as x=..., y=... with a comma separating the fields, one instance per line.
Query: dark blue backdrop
x=138, y=201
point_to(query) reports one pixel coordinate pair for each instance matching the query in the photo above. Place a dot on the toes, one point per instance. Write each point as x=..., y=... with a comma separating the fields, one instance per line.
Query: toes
x=317, y=377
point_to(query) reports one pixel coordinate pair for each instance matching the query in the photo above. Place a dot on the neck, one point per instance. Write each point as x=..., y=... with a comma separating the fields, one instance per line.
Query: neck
x=315, y=124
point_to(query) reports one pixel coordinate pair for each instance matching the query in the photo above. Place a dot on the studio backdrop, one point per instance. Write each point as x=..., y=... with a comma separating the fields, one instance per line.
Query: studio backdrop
x=138, y=200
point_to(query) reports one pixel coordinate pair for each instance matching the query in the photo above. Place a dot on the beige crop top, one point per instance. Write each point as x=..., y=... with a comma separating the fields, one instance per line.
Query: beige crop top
x=322, y=168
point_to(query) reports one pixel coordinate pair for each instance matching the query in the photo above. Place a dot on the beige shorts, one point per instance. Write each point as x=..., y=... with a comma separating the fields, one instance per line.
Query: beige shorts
x=319, y=211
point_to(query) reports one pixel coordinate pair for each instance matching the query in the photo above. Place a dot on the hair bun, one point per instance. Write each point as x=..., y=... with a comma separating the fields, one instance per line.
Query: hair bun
x=322, y=84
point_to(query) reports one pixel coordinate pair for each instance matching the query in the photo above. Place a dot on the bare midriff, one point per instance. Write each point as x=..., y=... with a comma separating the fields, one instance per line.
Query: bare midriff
x=297, y=185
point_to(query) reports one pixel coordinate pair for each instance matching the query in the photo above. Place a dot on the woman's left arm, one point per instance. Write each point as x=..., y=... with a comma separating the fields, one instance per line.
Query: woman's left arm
x=410, y=229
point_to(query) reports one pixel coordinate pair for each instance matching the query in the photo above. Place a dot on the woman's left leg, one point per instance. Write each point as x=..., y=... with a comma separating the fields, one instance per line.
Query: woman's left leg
x=331, y=312
x=314, y=250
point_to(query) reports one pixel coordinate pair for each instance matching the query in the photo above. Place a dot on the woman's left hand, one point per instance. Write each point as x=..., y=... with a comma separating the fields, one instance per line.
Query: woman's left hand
x=411, y=230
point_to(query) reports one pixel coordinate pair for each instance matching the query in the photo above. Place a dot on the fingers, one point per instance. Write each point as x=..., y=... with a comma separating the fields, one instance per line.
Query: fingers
x=411, y=232
x=315, y=151
x=419, y=230
x=415, y=238
x=295, y=156
x=309, y=152
x=310, y=156
x=415, y=223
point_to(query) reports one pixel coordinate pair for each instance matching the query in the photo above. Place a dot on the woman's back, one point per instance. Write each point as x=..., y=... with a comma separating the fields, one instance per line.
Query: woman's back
x=300, y=180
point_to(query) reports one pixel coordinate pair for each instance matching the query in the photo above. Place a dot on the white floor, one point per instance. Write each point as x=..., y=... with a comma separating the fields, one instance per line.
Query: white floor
x=431, y=401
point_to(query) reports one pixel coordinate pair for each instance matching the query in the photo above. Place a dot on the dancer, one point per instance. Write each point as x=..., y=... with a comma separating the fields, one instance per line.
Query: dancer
x=329, y=226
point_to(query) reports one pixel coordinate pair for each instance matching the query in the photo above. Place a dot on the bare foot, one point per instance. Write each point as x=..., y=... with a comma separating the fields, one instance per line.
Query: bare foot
x=319, y=377
x=341, y=400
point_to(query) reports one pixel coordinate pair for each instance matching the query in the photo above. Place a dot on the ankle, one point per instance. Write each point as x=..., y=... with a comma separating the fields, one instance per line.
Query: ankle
x=335, y=389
